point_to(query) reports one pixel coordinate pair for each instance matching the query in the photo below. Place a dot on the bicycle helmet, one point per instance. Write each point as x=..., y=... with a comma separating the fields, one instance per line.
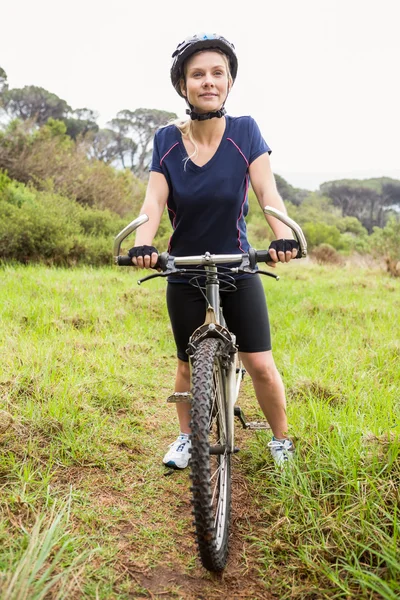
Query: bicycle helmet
x=190, y=46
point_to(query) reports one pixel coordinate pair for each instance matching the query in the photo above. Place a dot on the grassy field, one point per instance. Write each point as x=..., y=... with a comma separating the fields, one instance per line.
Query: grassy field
x=86, y=362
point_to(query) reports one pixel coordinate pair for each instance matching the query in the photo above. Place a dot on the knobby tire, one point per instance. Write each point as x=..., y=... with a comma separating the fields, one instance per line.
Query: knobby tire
x=210, y=474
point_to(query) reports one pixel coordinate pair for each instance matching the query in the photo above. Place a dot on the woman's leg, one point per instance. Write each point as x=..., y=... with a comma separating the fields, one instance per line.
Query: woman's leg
x=247, y=316
x=178, y=455
x=269, y=389
x=186, y=308
x=182, y=384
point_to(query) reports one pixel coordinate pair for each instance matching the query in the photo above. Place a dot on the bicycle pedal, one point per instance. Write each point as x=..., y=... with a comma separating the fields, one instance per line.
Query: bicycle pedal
x=180, y=397
x=258, y=425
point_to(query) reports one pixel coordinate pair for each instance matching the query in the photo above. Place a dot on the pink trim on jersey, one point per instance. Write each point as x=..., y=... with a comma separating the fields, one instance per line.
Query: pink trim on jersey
x=174, y=219
x=241, y=212
x=166, y=154
x=173, y=224
x=236, y=146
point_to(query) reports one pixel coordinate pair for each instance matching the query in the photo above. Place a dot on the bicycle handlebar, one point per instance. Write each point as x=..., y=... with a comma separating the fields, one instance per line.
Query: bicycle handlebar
x=124, y=234
x=254, y=256
x=295, y=227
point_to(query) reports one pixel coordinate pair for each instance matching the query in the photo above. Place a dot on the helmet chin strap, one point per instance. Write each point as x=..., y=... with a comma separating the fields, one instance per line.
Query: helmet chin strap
x=195, y=116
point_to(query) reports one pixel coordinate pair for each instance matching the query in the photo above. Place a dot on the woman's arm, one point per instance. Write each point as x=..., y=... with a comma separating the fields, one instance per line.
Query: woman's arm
x=153, y=206
x=264, y=186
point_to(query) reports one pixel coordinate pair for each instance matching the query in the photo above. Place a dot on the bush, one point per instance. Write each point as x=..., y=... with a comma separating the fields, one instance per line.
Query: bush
x=96, y=222
x=35, y=231
x=4, y=180
x=386, y=243
x=51, y=161
x=318, y=233
x=326, y=254
x=40, y=226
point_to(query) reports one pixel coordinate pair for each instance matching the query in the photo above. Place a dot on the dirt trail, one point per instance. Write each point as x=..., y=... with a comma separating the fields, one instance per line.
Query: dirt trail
x=156, y=554
x=240, y=579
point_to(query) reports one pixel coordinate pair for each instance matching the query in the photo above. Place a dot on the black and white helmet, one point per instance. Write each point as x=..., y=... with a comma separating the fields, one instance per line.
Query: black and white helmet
x=195, y=43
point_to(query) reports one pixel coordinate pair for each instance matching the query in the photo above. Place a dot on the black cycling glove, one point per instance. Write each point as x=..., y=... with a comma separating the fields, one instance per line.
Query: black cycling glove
x=284, y=245
x=142, y=251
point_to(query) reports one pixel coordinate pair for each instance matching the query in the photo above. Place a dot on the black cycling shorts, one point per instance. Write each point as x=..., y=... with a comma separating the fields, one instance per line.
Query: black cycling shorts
x=245, y=312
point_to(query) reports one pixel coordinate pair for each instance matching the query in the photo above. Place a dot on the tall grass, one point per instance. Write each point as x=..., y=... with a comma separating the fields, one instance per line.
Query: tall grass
x=86, y=361
x=337, y=340
x=39, y=568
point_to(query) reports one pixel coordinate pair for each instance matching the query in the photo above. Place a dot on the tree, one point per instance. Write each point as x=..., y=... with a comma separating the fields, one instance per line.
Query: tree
x=80, y=122
x=288, y=192
x=34, y=103
x=391, y=194
x=140, y=126
x=125, y=146
x=3, y=83
x=357, y=200
x=102, y=146
x=146, y=121
x=107, y=145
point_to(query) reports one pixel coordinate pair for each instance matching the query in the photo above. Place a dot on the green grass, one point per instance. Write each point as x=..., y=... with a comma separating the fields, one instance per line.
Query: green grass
x=86, y=362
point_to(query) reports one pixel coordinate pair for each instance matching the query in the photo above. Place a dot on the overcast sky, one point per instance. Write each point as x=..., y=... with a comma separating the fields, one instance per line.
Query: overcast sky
x=321, y=77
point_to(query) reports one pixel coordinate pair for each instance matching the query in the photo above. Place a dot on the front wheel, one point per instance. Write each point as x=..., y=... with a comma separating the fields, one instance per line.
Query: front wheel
x=210, y=462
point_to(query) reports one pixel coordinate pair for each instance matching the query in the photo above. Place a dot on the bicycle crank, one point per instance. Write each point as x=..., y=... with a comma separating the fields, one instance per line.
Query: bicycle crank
x=254, y=425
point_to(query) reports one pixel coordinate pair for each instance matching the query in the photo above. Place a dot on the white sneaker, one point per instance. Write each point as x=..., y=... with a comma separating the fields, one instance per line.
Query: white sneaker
x=282, y=451
x=178, y=454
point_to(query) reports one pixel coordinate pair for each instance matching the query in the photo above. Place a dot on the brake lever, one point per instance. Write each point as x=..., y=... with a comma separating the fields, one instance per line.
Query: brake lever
x=163, y=274
x=253, y=272
x=140, y=281
x=269, y=274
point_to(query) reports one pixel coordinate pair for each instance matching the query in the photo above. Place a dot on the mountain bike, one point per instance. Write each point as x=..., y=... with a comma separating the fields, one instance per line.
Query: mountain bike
x=216, y=377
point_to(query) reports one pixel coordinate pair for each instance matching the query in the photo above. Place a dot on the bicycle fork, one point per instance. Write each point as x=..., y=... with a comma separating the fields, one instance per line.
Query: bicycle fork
x=232, y=385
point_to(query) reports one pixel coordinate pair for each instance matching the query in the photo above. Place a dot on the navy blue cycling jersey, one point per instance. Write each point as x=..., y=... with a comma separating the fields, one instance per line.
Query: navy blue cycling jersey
x=207, y=205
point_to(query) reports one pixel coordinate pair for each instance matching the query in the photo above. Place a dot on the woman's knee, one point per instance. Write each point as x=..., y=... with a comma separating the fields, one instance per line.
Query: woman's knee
x=260, y=365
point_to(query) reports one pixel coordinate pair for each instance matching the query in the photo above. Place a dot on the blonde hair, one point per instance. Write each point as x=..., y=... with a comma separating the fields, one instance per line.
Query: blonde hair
x=185, y=126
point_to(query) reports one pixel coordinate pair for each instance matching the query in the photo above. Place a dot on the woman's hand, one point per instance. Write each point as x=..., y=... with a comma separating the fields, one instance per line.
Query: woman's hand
x=282, y=251
x=144, y=257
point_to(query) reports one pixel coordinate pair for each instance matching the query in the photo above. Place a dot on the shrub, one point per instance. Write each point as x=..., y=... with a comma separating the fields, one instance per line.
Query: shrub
x=96, y=222
x=326, y=254
x=36, y=230
x=4, y=181
x=318, y=233
x=386, y=243
x=42, y=226
x=50, y=160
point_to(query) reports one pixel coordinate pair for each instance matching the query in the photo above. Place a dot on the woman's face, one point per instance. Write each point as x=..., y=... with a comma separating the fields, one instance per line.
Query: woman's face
x=207, y=81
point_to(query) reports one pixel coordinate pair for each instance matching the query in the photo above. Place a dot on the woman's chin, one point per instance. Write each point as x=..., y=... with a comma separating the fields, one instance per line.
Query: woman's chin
x=206, y=108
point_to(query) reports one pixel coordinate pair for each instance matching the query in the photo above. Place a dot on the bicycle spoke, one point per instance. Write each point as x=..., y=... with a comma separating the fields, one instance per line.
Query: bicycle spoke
x=216, y=472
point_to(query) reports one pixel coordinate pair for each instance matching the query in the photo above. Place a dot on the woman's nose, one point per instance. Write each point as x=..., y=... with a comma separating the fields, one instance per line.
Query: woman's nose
x=208, y=80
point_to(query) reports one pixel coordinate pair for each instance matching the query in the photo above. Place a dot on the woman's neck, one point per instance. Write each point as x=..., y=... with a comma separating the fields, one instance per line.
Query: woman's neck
x=206, y=132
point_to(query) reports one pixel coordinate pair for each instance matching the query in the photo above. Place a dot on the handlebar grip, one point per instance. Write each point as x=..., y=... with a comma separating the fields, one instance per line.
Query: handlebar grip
x=124, y=261
x=263, y=256
x=162, y=261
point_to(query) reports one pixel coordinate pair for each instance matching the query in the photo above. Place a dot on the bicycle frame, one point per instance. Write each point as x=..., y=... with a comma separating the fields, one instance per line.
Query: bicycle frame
x=216, y=327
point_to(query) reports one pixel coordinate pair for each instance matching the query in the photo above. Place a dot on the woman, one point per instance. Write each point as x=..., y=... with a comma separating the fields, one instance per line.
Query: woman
x=201, y=170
